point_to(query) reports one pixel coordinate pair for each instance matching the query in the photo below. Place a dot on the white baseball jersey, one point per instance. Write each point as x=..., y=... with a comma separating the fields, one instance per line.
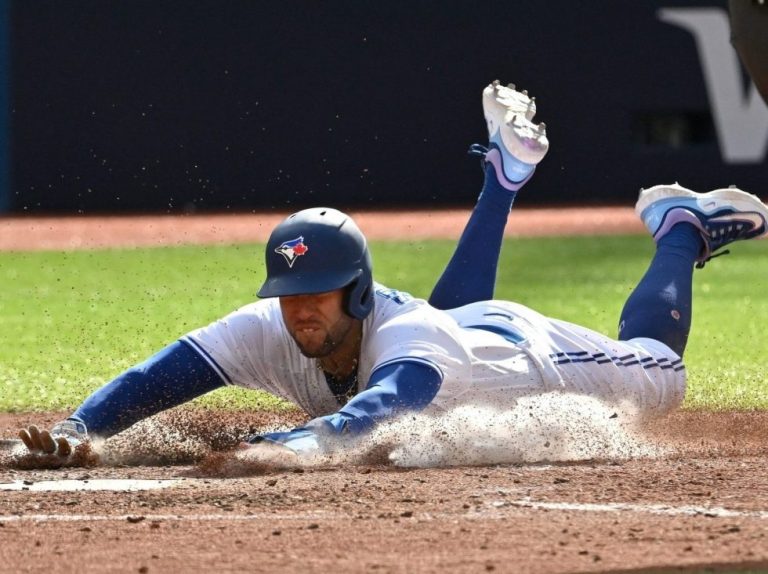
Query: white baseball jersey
x=487, y=351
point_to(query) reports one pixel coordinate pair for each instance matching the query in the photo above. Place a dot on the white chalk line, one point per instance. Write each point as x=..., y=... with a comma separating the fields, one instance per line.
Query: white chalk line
x=616, y=507
x=664, y=509
x=96, y=484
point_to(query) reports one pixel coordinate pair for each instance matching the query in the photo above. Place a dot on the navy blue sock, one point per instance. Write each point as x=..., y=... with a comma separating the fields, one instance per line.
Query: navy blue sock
x=660, y=307
x=471, y=273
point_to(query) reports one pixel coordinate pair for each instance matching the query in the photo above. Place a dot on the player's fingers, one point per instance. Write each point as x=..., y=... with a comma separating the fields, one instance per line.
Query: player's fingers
x=64, y=448
x=26, y=439
x=34, y=435
x=47, y=443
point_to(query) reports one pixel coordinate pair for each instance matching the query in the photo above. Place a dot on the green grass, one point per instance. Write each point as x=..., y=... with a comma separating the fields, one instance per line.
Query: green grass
x=71, y=321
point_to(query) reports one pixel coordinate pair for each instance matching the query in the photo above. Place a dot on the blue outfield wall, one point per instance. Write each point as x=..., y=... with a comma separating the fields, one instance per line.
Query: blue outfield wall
x=173, y=106
x=5, y=130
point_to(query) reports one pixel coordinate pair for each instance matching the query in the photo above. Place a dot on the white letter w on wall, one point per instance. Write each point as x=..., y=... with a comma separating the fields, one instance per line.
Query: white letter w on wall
x=741, y=119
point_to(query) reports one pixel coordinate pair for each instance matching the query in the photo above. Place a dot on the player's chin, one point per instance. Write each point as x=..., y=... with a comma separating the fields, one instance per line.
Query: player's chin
x=314, y=345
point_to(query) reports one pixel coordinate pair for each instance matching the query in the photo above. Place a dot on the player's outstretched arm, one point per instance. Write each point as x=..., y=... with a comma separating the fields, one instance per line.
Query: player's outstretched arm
x=173, y=376
x=399, y=386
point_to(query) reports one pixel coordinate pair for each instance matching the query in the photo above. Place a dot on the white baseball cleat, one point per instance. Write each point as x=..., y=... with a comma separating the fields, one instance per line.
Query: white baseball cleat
x=519, y=103
x=516, y=143
x=722, y=216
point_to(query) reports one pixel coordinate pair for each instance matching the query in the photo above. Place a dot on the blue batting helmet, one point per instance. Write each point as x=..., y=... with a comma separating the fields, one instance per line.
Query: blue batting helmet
x=318, y=250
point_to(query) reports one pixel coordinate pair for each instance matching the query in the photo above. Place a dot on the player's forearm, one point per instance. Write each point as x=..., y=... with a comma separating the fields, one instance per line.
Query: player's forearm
x=393, y=389
x=169, y=378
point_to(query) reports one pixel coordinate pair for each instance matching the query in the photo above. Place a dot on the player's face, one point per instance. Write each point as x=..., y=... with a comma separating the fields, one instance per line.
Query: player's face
x=316, y=322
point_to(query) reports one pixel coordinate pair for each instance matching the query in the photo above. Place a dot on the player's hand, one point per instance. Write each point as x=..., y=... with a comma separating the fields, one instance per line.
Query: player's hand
x=282, y=448
x=269, y=454
x=301, y=442
x=260, y=454
x=59, y=443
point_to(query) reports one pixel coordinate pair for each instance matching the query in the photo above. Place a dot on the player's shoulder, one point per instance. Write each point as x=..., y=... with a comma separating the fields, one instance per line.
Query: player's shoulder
x=390, y=302
x=393, y=306
x=384, y=295
x=404, y=326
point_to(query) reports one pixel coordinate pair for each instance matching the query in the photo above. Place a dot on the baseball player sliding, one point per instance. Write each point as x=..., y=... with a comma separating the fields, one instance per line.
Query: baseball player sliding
x=353, y=353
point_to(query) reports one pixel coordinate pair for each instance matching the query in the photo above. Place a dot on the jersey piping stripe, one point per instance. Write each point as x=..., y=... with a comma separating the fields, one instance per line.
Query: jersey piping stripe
x=601, y=358
x=208, y=359
x=565, y=358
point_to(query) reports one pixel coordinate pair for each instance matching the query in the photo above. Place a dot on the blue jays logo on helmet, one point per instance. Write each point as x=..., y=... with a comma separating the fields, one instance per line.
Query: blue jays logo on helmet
x=292, y=249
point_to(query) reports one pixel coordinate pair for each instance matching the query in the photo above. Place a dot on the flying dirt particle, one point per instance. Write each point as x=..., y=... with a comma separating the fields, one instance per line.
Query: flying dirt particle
x=135, y=519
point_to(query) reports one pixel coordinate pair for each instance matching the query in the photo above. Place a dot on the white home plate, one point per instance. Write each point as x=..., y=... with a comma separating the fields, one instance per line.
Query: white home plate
x=120, y=485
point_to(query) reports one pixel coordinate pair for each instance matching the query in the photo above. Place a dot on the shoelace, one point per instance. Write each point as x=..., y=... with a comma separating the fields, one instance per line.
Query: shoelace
x=477, y=150
x=721, y=239
x=700, y=264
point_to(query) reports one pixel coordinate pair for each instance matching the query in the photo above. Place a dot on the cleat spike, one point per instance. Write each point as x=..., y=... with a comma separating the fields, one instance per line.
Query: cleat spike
x=522, y=143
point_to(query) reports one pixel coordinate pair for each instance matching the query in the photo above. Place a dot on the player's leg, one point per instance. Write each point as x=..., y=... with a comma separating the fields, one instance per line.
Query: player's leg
x=660, y=306
x=688, y=228
x=516, y=146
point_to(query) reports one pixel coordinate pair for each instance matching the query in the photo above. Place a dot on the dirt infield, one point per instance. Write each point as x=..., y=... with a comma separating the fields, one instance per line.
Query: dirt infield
x=703, y=503
x=700, y=502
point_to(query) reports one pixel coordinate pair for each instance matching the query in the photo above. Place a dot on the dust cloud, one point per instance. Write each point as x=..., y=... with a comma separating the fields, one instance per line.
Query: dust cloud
x=552, y=427
x=544, y=428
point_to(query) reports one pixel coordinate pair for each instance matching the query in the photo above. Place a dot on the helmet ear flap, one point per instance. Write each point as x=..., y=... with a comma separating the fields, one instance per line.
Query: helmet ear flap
x=358, y=297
